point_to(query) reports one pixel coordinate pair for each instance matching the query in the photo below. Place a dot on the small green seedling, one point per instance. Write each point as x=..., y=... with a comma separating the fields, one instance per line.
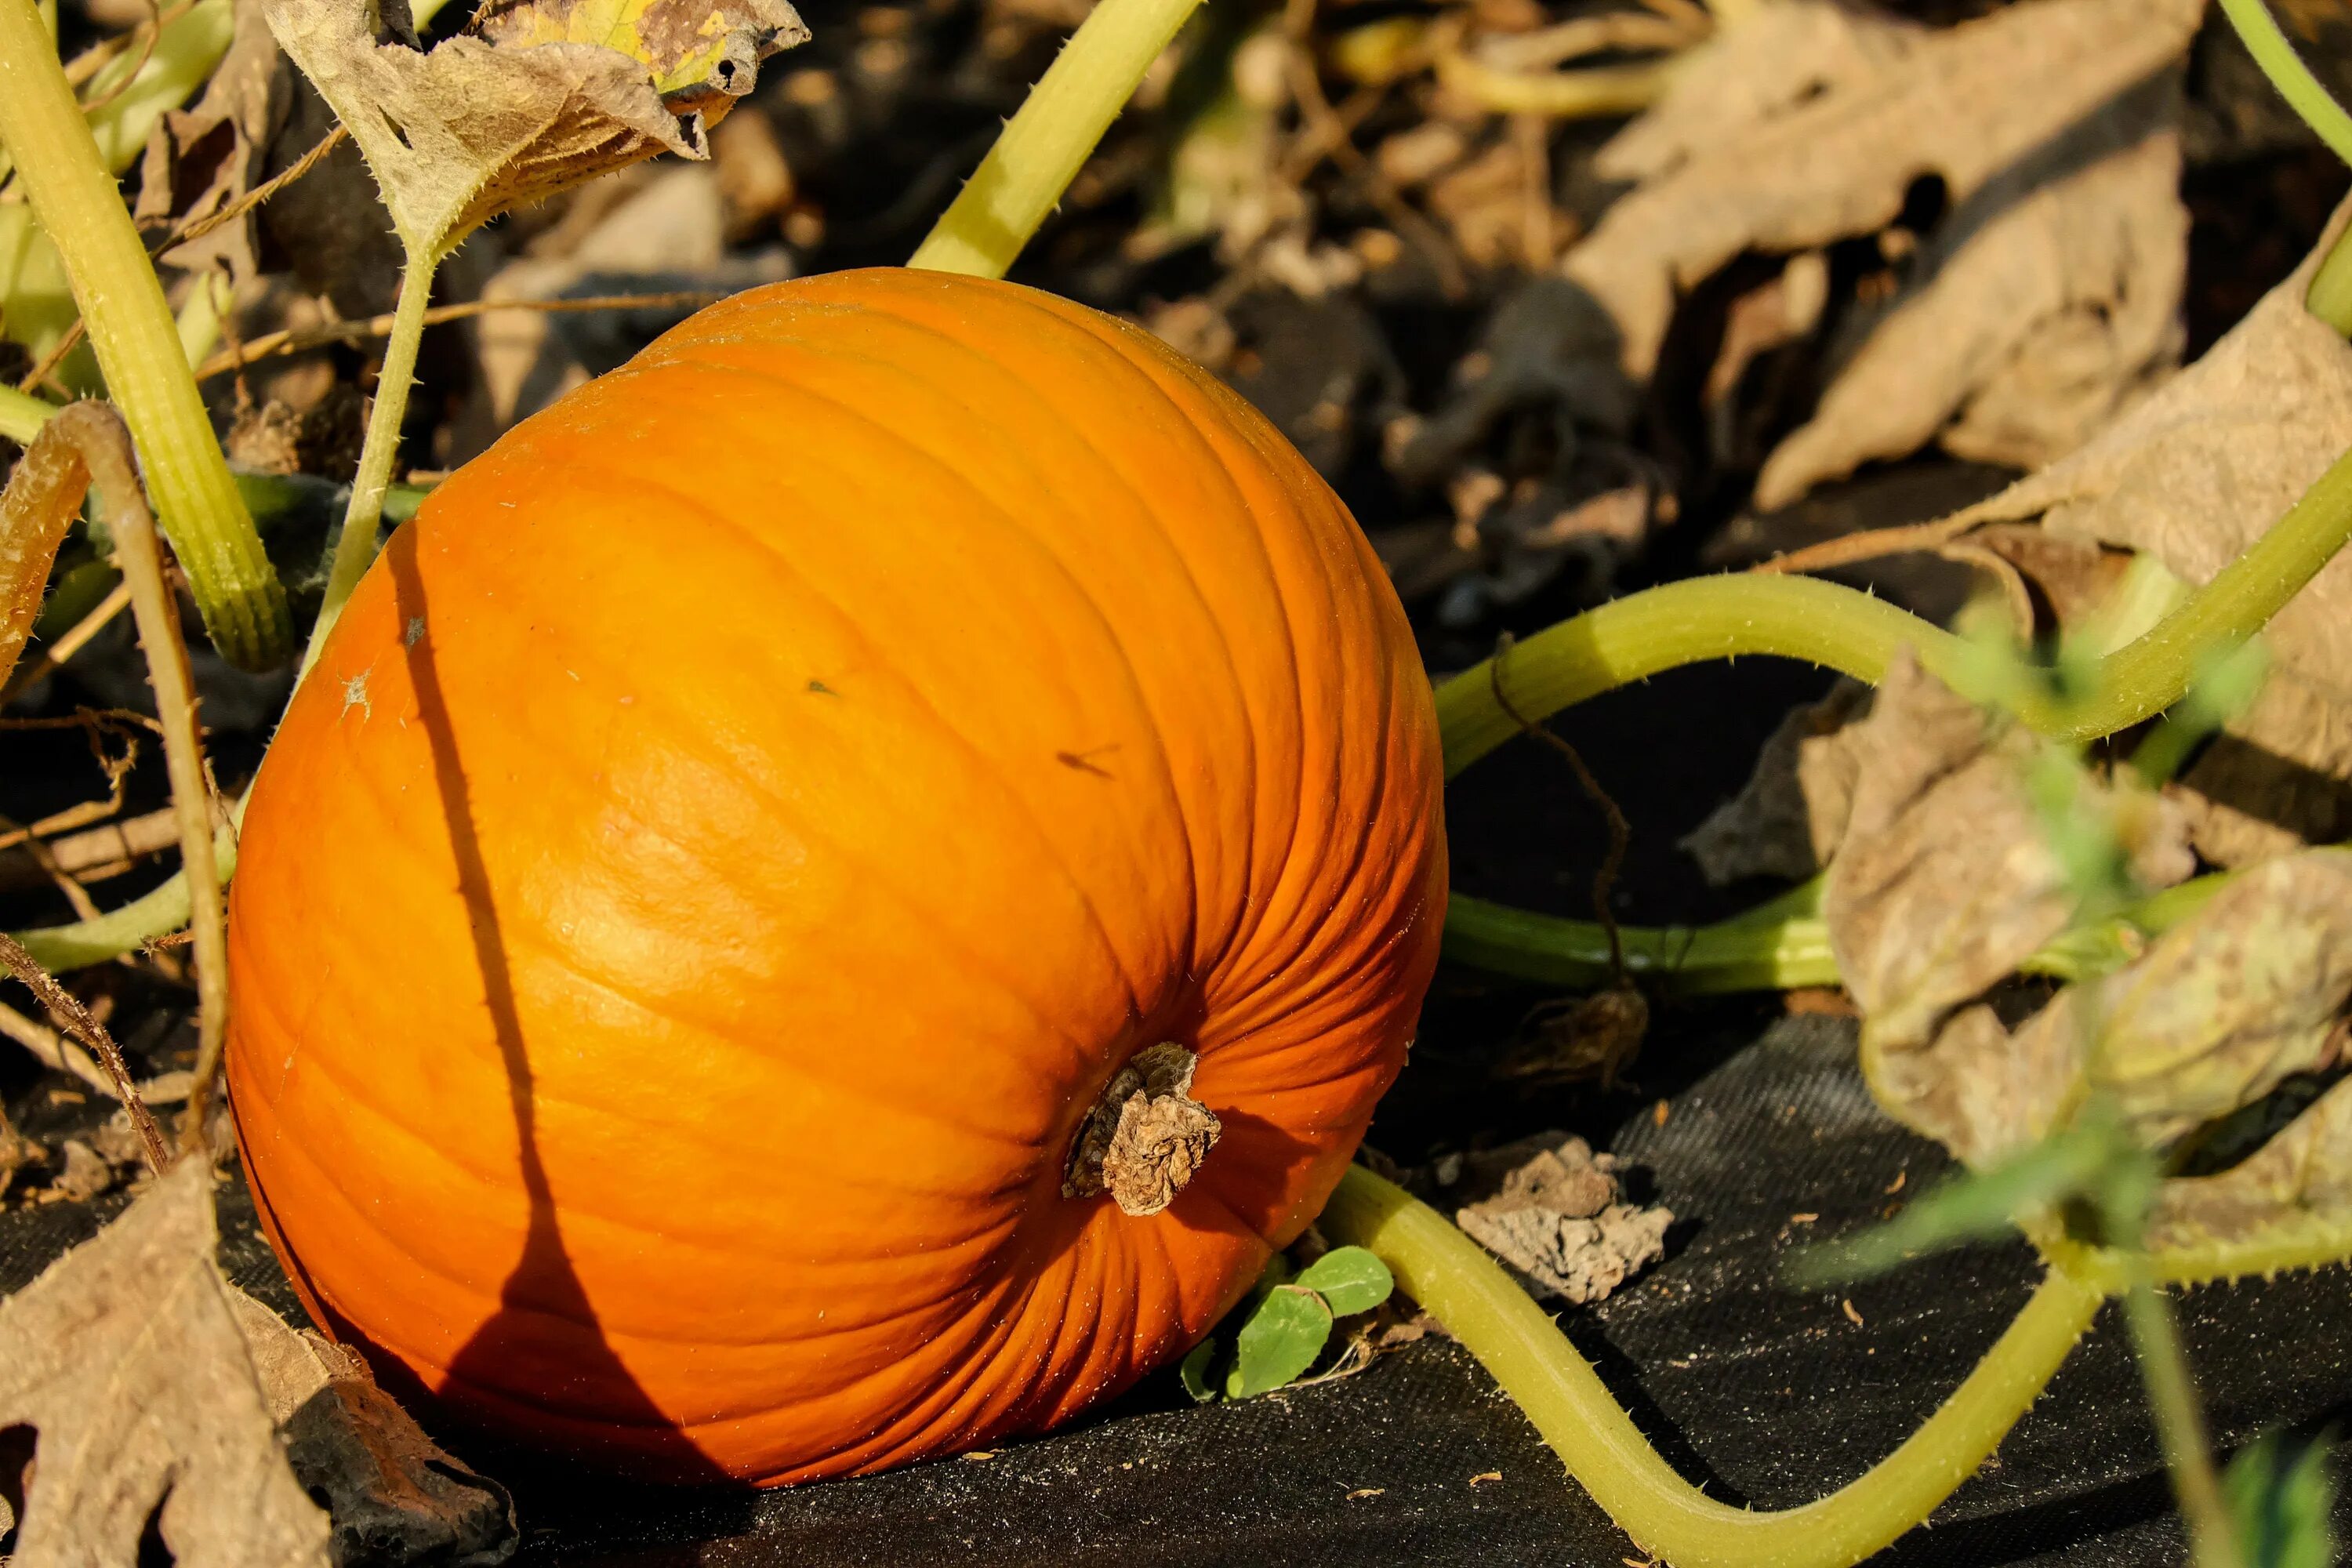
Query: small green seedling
x=1286, y=1323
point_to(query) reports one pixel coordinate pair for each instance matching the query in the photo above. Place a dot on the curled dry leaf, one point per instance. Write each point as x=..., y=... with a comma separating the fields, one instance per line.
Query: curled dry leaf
x=548, y=94
x=395, y=1497
x=126, y=1359
x=1786, y=821
x=200, y=161
x=2192, y=475
x=2214, y=1016
x=1944, y=881
x=1812, y=121
x=2040, y=307
x=2291, y=1199
x=1556, y=1214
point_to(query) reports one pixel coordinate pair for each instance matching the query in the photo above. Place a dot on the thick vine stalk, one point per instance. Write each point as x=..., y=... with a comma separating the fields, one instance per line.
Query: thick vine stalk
x=1043, y=146
x=75, y=200
x=1544, y=1375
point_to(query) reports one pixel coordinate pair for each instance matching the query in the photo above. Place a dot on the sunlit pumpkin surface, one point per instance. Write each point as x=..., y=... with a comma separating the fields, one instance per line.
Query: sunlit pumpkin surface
x=741, y=827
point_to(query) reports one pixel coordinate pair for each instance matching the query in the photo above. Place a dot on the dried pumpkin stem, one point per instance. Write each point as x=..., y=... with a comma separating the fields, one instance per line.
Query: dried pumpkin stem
x=39, y=505
x=1045, y=144
x=67, y=1009
x=1520, y=1345
x=103, y=444
x=355, y=540
x=75, y=200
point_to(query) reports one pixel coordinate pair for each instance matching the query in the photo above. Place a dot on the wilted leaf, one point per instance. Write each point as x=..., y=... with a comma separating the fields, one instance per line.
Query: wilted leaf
x=395, y=1496
x=199, y=161
x=1558, y=1218
x=126, y=1359
x=2291, y=1200
x=2221, y=1008
x=1944, y=881
x=2043, y=304
x=1348, y=1278
x=1284, y=1335
x=1811, y=122
x=1786, y=821
x=2192, y=475
x=475, y=125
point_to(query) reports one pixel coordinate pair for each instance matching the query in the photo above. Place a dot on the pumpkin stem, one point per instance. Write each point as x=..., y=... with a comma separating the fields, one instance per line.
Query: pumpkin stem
x=1146, y=1136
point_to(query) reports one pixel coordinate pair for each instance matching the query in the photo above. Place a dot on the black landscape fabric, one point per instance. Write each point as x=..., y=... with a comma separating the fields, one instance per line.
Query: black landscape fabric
x=1767, y=1394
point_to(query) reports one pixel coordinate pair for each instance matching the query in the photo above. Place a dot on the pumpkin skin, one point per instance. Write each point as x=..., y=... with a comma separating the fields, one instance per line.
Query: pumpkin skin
x=741, y=826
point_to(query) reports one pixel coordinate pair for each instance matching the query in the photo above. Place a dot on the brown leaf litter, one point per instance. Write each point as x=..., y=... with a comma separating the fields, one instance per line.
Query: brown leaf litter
x=541, y=95
x=2047, y=297
x=2191, y=476
x=1555, y=1213
x=126, y=1359
x=1944, y=881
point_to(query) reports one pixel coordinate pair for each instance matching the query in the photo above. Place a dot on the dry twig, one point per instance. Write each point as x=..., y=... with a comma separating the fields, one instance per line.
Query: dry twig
x=67, y=1009
x=271, y=345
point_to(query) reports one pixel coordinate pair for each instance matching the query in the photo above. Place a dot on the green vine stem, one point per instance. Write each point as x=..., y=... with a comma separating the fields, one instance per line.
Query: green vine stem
x=363, y=514
x=2259, y=31
x=22, y=414
x=75, y=201
x=1661, y=628
x=1524, y=1351
x=1065, y=114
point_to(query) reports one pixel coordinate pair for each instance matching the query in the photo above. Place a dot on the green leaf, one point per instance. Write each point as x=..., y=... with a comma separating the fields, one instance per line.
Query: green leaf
x=2279, y=1504
x=1349, y=1280
x=1281, y=1340
x=1193, y=1371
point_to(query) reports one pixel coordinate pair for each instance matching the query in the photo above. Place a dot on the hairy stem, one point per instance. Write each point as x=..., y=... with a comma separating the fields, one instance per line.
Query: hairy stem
x=355, y=540
x=74, y=199
x=2180, y=1423
x=1660, y=629
x=99, y=435
x=1519, y=1345
x=22, y=414
x=1033, y=161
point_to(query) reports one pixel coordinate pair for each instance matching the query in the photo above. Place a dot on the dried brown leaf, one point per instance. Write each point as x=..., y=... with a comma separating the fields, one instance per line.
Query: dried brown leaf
x=199, y=161
x=1557, y=1216
x=126, y=1358
x=394, y=1495
x=1944, y=880
x=1809, y=122
x=1786, y=821
x=2292, y=1198
x=2046, y=303
x=2192, y=474
x=2212, y=1017
x=555, y=92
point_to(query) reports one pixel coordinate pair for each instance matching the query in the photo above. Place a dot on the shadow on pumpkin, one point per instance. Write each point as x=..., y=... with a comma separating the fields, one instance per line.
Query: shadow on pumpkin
x=542, y=1352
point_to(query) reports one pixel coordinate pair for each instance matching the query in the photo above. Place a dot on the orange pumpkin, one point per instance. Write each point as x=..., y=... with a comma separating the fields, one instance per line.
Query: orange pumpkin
x=784, y=832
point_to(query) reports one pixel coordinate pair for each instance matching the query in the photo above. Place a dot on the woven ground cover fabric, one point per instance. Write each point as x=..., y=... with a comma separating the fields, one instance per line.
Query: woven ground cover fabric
x=1768, y=1395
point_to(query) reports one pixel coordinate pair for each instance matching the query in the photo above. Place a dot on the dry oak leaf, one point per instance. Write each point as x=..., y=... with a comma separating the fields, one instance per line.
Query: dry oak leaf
x=2050, y=292
x=2194, y=474
x=1944, y=880
x=395, y=1497
x=126, y=1359
x=550, y=93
